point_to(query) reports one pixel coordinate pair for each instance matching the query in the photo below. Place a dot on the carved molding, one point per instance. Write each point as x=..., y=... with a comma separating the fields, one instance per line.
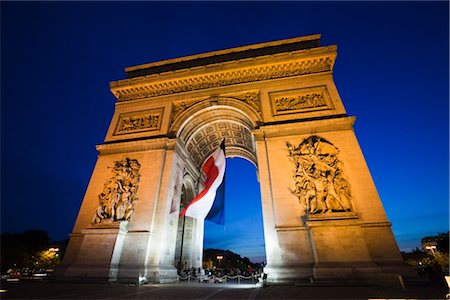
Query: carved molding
x=218, y=79
x=142, y=121
x=301, y=100
x=250, y=98
x=320, y=185
x=136, y=146
x=118, y=198
x=179, y=108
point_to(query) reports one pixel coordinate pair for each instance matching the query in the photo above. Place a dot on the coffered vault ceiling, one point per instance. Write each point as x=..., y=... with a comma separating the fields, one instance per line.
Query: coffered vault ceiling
x=238, y=141
x=209, y=122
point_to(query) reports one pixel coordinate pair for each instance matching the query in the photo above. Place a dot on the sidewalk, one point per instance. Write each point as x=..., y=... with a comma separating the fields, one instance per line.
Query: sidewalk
x=64, y=290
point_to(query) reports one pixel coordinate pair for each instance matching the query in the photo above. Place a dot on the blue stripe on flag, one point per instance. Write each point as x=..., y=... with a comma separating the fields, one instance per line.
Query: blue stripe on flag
x=217, y=212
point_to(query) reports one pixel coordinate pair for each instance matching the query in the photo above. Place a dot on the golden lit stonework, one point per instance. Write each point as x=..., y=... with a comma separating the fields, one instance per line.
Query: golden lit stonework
x=300, y=101
x=322, y=216
x=320, y=185
x=139, y=122
x=118, y=199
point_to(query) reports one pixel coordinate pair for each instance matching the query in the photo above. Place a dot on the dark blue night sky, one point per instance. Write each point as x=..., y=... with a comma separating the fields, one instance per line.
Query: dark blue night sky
x=57, y=59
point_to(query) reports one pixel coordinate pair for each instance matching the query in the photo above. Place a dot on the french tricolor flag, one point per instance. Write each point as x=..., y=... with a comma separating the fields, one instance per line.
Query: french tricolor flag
x=210, y=203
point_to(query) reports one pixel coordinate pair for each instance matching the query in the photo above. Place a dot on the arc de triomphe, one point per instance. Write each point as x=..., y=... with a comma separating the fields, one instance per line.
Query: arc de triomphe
x=276, y=105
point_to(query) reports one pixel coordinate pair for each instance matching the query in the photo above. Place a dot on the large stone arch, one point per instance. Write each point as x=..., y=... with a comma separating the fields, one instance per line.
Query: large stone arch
x=204, y=127
x=276, y=105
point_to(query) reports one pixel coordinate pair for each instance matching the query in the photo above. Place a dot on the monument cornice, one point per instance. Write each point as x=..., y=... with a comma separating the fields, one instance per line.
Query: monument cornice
x=334, y=222
x=135, y=146
x=281, y=129
x=275, y=66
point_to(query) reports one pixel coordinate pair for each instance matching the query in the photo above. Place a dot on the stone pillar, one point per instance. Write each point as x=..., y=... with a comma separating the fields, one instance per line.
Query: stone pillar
x=288, y=249
x=143, y=247
x=304, y=243
x=197, y=243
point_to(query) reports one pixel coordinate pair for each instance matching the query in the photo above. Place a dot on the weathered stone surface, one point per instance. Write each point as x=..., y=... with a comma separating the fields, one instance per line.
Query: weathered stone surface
x=280, y=111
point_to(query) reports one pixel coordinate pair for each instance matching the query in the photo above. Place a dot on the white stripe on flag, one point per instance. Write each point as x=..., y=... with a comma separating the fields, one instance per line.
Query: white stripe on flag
x=200, y=208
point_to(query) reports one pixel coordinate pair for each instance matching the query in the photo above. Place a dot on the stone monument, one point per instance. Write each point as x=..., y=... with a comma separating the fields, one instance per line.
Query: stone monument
x=276, y=105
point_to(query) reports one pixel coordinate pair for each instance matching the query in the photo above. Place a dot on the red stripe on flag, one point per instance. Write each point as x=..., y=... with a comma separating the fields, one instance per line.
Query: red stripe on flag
x=211, y=172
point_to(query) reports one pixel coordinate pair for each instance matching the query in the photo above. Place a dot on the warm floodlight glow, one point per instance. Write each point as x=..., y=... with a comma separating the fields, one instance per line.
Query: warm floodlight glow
x=142, y=280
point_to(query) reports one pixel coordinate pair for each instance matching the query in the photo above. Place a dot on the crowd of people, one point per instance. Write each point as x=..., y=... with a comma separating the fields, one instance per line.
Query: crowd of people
x=218, y=274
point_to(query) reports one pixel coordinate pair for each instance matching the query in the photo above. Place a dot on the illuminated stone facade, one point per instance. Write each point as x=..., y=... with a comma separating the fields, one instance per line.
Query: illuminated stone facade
x=276, y=105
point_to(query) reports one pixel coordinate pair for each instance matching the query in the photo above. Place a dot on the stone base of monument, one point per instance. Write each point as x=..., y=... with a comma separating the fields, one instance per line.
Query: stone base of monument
x=99, y=250
x=396, y=274
x=161, y=274
x=292, y=274
x=138, y=274
x=359, y=271
x=408, y=274
x=79, y=272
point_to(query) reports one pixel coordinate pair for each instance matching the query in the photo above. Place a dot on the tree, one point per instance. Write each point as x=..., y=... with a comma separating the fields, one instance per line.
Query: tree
x=417, y=256
x=30, y=249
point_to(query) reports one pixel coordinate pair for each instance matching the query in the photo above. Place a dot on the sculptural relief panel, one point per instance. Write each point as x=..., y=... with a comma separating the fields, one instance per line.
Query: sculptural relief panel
x=118, y=199
x=136, y=122
x=300, y=100
x=320, y=184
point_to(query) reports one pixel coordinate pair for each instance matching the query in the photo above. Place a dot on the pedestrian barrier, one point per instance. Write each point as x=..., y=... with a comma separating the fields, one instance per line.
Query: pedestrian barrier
x=218, y=279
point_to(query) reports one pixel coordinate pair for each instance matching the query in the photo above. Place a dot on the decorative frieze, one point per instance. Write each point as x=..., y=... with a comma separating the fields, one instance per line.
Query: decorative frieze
x=319, y=180
x=218, y=79
x=118, y=198
x=301, y=100
x=139, y=121
x=250, y=98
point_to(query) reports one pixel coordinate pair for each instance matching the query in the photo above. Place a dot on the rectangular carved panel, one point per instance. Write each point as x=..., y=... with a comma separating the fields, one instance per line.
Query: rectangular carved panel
x=135, y=122
x=300, y=100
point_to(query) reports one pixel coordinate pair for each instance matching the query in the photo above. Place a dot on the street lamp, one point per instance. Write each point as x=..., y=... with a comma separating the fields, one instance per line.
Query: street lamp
x=219, y=258
x=432, y=248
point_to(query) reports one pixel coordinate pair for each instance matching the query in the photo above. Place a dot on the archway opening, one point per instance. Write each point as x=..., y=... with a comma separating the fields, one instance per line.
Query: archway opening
x=188, y=247
x=200, y=129
x=243, y=230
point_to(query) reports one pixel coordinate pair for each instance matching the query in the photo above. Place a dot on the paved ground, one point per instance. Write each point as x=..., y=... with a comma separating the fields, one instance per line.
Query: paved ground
x=64, y=290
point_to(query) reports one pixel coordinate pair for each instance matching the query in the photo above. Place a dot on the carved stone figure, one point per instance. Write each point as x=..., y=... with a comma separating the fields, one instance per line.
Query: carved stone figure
x=117, y=201
x=319, y=183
